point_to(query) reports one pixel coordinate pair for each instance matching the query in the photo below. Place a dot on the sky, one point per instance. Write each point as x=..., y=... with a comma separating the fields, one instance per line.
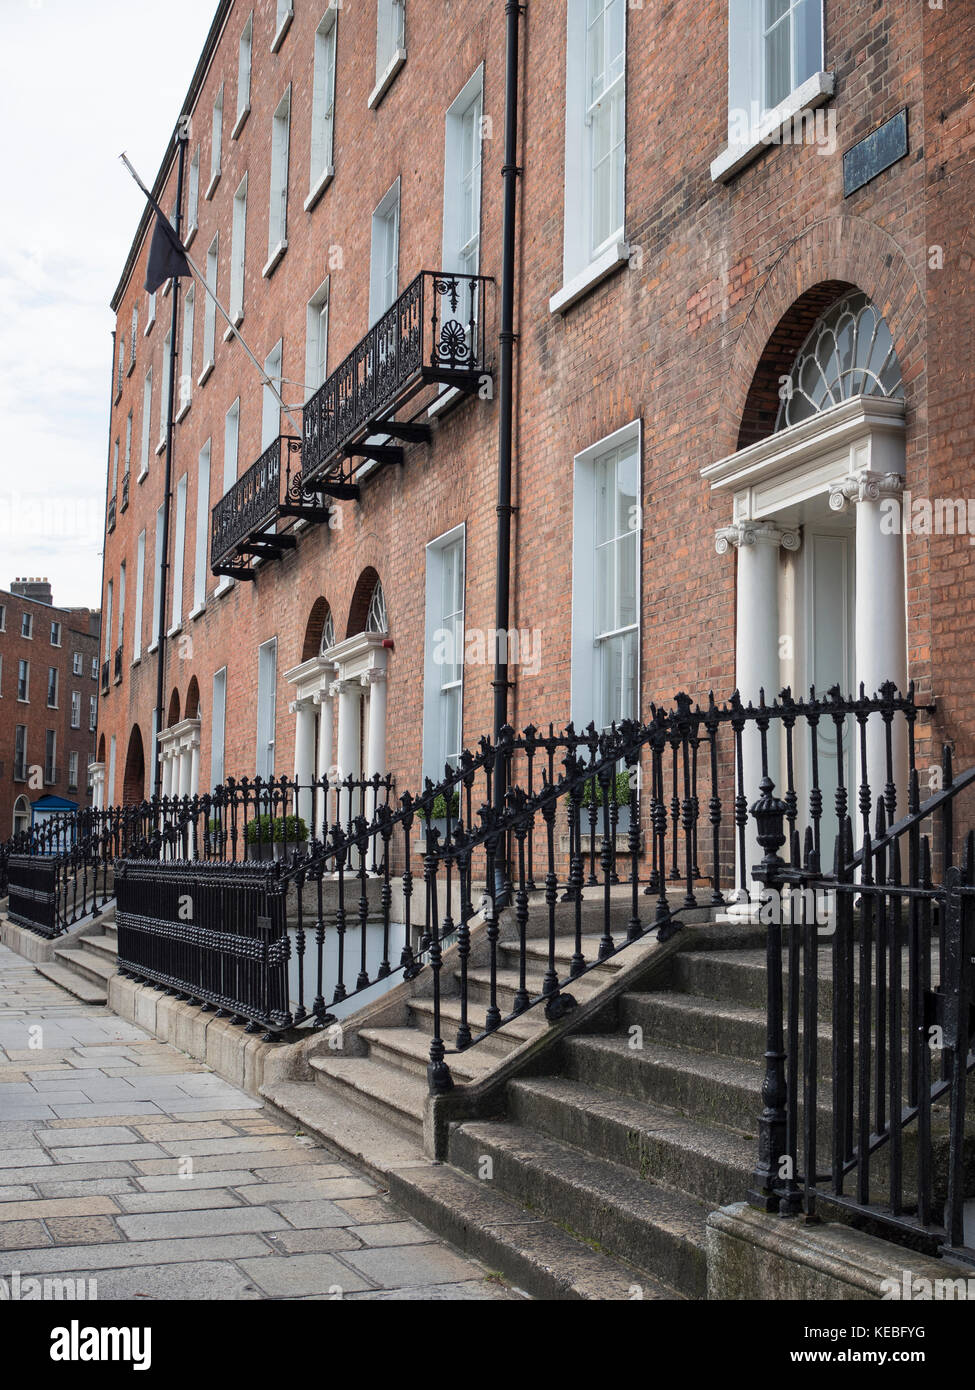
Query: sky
x=80, y=80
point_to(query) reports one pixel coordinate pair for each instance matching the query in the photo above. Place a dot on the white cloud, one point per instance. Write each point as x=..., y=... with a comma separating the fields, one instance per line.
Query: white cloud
x=80, y=80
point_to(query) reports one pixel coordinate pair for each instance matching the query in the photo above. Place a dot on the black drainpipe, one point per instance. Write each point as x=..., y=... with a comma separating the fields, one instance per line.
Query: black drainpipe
x=510, y=174
x=181, y=137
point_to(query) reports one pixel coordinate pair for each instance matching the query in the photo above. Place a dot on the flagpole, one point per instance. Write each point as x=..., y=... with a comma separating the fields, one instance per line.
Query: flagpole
x=235, y=331
x=182, y=141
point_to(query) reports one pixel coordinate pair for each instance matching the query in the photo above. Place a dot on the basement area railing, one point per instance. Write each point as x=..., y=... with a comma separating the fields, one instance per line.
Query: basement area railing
x=871, y=1019
x=583, y=827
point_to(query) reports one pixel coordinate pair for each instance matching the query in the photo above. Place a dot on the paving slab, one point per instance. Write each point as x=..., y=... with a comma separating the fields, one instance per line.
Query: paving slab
x=126, y=1163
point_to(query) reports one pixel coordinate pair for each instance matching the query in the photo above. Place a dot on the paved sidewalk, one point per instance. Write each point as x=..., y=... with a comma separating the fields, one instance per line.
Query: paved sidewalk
x=124, y=1161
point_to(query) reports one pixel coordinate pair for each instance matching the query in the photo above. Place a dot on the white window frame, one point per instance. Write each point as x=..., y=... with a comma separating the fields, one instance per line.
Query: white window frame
x=231, y=450
x=109, y=595
x=140, y=580
x=245, y=59
x=146, y=424
x=390, y=46
x=585, y=672
x=76, y=709
x=193, y=199
x=238, y=243
x=164, y=394
x=381, y=273
x=121, y=603
x=50, y=757
x=121, y=366
x=157, y=581
x=150, y=314
x=73, y=771
x=468, y=103
x=752, y=126
x=267, y=679
x=55, y=629
x=323, y=107
x=92, y=713
x=179, y=551
x=585, y=265
x=202, y=532
x=210, y=309
x=27, y=626
x=216, y=144
x=435, y=754
x=316, y=339
x=110, y=784
x=186, y=363
x=285, y=13
x=270, y=405
x=277, y=212
x=218, y=728
x=53, y=671
x=23, y=676
x=128, y=444
x=134, y=336
x=77, y=664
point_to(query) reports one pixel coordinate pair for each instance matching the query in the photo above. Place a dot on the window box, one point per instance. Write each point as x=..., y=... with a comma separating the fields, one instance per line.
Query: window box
x=275, y=259
x=814, y=92
x=322, y=182
x=387, y=79
x=617, y=254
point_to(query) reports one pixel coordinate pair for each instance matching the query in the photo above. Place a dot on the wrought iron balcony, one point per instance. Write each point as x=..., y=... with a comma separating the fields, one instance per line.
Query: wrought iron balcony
x=106, y=676
x=118, y=664
x=125, y=493
x=434, y=333
x=111, y=515
x=245, y=520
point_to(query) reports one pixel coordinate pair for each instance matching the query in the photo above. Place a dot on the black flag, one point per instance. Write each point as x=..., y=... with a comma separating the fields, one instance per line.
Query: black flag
x=167, y=259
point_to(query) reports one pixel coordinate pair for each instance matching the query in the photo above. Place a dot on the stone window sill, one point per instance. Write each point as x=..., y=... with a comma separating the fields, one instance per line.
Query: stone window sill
x=387, y=79
x=616, y=254
x=815, y=91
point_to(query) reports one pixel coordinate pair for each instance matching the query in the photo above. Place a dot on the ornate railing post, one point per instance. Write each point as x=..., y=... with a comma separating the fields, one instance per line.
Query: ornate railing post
x=775, y=1172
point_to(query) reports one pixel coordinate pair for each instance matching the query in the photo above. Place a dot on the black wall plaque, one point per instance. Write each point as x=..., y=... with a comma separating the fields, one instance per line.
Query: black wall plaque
x=875, y=153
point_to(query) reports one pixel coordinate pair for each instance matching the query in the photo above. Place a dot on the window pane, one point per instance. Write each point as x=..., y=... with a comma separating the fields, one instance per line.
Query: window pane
x=808, y=27
x=778, y=64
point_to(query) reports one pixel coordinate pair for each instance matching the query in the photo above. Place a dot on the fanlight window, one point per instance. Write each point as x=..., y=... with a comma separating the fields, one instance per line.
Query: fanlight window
x=848, y=353
x=377, y=621
x=328, y=634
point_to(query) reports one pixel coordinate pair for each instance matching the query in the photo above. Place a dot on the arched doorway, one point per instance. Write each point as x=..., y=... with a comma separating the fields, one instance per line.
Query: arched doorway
x=815, y=521
x=172, y=718
x=21, y=820
x=134, y=781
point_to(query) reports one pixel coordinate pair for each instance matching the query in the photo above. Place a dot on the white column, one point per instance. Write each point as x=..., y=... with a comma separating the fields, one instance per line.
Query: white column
x=324, y=809
x=757, y=637
x=185, y=765
x=349, y=693
x=166, y=754
x=881, y=616
x=304, y=712
x=195, y=766
x=375, y=681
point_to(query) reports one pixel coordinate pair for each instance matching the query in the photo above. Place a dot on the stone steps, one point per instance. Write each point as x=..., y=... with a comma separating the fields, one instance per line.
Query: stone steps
x=387, y=1091
x=499, y=1044
x=78, y=985
x=707, y=1161
x=603, y=1203
x=92, y=965
x=409, y=1049
x=537, y=1255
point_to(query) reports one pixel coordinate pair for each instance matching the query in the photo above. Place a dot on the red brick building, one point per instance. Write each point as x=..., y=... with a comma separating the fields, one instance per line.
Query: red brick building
x=744, y=357
x=48, y=704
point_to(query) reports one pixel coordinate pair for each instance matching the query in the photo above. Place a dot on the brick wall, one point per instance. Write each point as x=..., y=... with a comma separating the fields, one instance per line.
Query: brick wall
x=690, y=338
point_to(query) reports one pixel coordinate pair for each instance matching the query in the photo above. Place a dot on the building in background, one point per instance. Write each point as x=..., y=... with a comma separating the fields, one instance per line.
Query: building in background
x=745, y=342
x=48, y=704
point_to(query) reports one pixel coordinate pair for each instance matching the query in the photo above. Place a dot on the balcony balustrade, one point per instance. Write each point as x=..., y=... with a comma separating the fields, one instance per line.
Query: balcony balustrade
x=106, y=676
x=125, y=493
x=118, y=665
x=111, y=515
x=433, y=335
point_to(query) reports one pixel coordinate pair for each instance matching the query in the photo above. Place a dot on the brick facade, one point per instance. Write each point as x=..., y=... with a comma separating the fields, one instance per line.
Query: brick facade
x=691, y=337
x=79, y=629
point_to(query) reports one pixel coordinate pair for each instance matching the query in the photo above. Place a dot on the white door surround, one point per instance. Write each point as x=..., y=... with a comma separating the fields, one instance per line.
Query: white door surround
x=179, y=751
x=354, y=671
x=848, y=459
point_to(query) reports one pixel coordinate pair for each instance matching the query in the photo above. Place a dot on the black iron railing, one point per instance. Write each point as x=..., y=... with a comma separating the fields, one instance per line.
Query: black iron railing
x=106, y=677
x=435, y=332
x=233, y=954
x=871, y=1028
x=616, y=813
x=125, y=493
x=118, y=664
x=111, y=515
x=245, y=519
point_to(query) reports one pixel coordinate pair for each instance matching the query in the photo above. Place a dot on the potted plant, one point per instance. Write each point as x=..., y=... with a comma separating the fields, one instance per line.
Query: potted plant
x=437, y=815
x=259, y=838
x=593, y=794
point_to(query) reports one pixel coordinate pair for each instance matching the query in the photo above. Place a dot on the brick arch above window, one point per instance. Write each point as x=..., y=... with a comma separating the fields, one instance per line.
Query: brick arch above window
x=832, y=257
